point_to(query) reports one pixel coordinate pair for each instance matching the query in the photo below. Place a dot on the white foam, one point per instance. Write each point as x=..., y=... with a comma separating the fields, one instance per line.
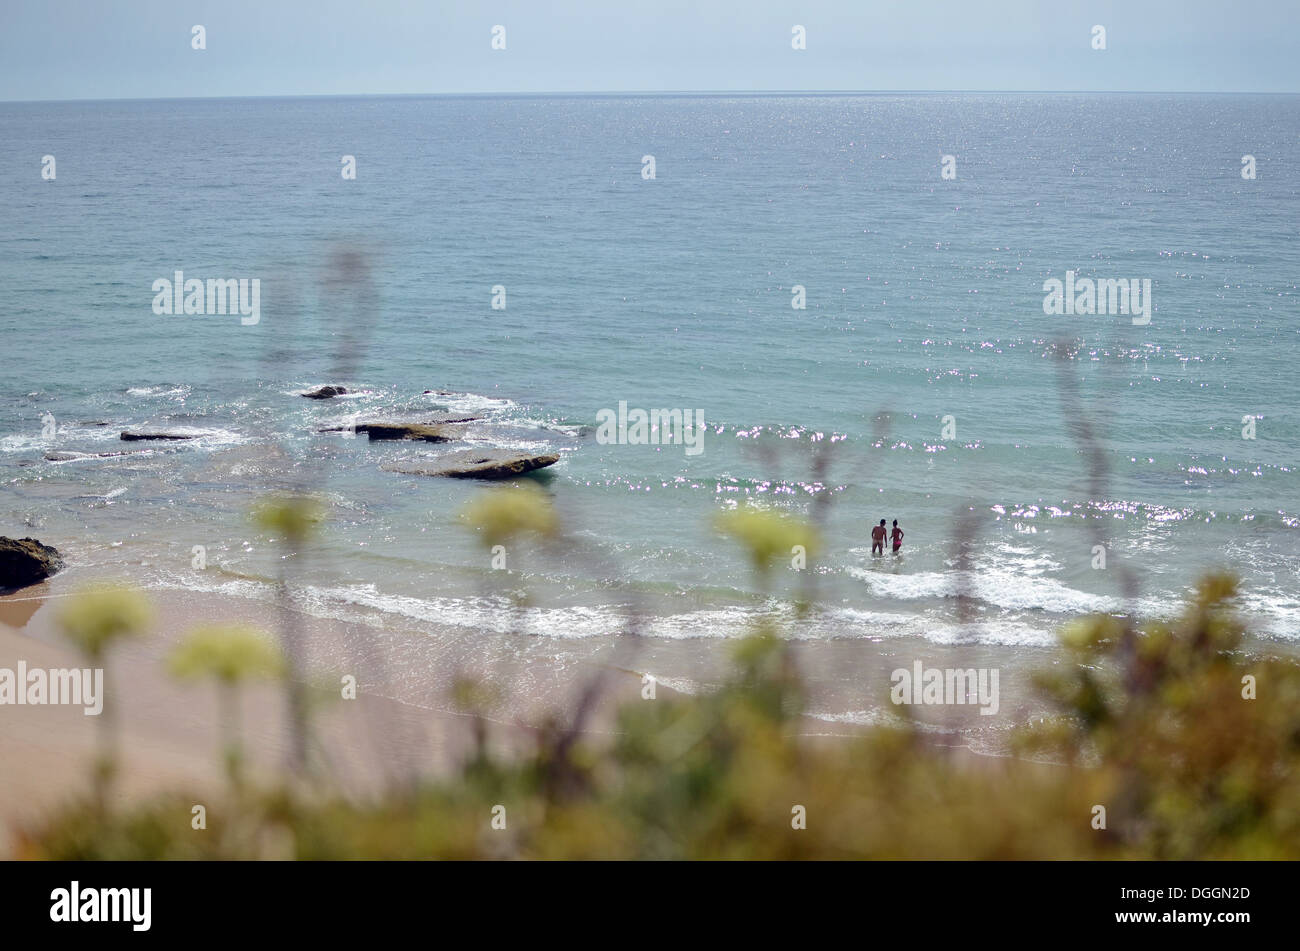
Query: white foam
x=498, y=616
x=680, y=684
x=145, y=391
x=880, y=716
x=1271, y=613
x=473, y=402
x=27, y=442
x=1003, y=587
x=569, y=429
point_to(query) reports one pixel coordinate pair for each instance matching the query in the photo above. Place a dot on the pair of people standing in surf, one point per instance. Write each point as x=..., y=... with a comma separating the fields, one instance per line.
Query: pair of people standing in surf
x=878, y=538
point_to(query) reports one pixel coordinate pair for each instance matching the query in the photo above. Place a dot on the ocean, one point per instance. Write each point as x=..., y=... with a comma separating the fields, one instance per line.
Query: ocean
x=921, y=381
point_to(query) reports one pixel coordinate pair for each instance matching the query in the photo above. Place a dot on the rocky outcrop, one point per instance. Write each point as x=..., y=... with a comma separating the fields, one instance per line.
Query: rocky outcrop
x=129, y=436
x=325, y=392
x=442, y=430
x=420, y=432
x=481, y=464
x=25, y=561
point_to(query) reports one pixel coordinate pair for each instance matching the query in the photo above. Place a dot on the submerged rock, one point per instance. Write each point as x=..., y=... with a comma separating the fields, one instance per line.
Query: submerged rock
x=73, y=456
x=325, y=392
x=129, y=436
x=25, y=561
x=481, y=464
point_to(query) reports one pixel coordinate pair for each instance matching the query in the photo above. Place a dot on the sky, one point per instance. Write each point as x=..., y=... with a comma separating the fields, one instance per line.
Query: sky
x=127, y=49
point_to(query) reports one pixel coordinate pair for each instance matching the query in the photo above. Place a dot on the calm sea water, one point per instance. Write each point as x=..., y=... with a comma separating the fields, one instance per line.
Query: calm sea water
x=924, y=300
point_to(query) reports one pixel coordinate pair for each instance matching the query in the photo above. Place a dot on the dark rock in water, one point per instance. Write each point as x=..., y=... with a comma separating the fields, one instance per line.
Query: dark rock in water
x=25, y=561
x=481, y=464
x=417, y=431
x=437, y=431
x=93, y=422
x=325, y=392
x=129, y=436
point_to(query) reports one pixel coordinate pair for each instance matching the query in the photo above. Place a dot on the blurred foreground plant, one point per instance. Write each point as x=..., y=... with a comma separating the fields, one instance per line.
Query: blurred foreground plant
x=768, y=536
x=293, y=519
x=230, y=654
x=1186, y=765
x=95, y=619
x=1201, y=745
x=502, y=516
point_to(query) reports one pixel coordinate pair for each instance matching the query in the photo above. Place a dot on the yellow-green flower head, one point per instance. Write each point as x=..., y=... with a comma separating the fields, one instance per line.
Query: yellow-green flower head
x=500, y=516
x=102, y=613
x=768, y=535
x=226, y=652
x=292, y=517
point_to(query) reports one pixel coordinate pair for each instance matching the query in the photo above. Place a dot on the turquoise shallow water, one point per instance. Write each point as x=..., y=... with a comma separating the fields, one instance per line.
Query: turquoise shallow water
x=924, y=300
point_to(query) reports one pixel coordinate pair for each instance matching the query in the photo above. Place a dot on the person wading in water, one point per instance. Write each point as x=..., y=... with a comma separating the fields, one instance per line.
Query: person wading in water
x=878, y=539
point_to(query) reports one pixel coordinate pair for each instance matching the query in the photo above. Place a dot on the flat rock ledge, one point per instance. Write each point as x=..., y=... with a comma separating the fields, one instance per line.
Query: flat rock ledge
x=441, y=431
x=131, y=436
x=25, y=561
x=480, y=464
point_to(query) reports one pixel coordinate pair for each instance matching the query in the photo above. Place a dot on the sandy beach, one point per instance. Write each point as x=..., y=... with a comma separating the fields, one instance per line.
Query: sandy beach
x=169, y=730
x=402, y=722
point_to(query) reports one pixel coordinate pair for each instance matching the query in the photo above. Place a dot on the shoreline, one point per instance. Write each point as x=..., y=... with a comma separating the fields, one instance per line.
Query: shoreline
x=169, y=736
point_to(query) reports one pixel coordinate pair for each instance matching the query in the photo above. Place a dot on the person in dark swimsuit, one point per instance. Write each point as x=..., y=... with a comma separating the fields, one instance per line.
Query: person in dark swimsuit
x=896, y=536
x=878, y=539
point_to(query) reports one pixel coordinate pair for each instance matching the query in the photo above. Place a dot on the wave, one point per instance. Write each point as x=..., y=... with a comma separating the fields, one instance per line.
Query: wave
x=1271, y=613
x=366, y=604
x=1001, y=587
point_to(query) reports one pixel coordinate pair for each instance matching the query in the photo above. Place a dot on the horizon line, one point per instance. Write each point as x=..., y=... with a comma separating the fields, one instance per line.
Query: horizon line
x=684, y=93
